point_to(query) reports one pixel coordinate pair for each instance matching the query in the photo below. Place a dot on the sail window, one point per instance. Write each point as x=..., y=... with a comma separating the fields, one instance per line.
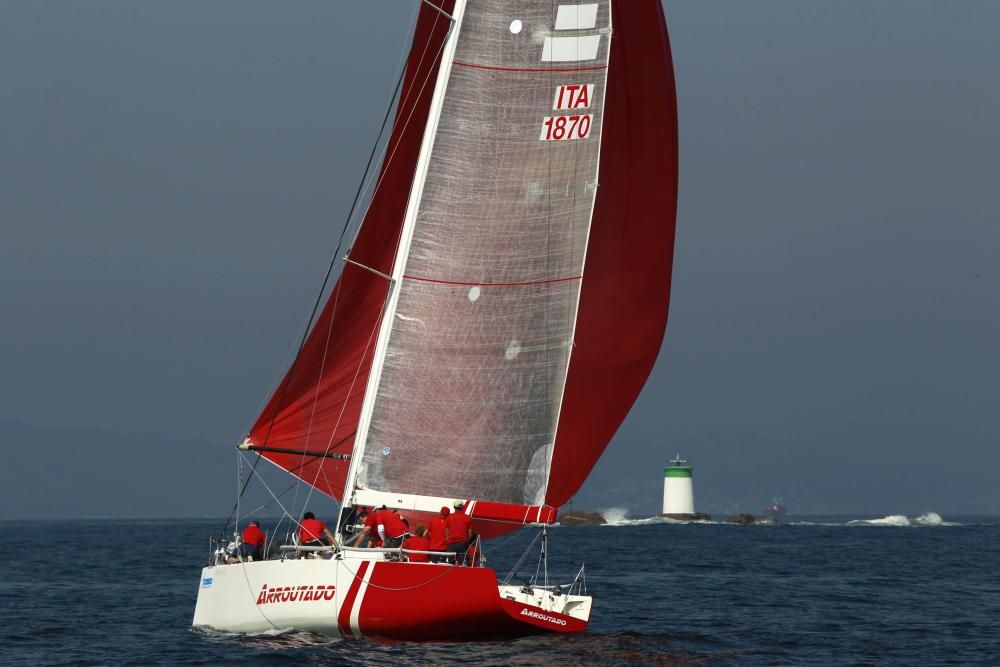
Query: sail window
x=474, y=293
x=570, y=49
x=513, y=349
x=515, y=26
x=576, y=17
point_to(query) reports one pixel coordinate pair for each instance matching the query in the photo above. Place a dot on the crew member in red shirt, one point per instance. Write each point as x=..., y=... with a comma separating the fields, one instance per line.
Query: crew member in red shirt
x=251, y=544
x=390, y=528
x=253, y=541
x=418, y=542
x=459, y=532
x=312, y=531
x=438, y=535
x=370, y=531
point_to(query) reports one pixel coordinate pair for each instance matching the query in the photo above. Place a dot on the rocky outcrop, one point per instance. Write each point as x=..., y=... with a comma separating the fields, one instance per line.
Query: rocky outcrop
x=750, y=519
x=581, y=519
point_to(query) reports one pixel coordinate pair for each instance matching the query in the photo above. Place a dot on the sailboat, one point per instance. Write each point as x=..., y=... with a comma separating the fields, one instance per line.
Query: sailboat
x=494, y=319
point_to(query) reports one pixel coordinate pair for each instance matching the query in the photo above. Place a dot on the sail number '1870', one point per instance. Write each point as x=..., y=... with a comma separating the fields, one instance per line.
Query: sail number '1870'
x=577, y=126
x=562, y=128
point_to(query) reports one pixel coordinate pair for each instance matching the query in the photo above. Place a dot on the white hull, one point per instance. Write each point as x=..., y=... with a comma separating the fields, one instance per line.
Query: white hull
x=360, y=596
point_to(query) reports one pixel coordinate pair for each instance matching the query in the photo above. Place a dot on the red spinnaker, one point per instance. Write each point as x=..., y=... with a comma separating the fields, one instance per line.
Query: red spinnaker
x=626, y=284
x=318, y=403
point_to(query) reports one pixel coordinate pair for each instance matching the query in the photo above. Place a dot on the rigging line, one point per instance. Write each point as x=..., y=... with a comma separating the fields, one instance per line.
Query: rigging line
x=268, y=488
x=520, y=561
x=438, y=10
x=402, y=105
x=343, y=407
x=319, y=382
x=271, y=501
x=336, y=252
x=377, y=185
x=449, y=569
x=431, y=72
x=284, y=385
x=401, y=67
x=365, y=179
x=357, y=196
x=236, y=507
x=368, y=268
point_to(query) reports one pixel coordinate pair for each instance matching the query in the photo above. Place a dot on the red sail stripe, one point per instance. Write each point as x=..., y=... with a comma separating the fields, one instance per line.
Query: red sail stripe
x=459, y=282
x=530, y=69
x=344, y=617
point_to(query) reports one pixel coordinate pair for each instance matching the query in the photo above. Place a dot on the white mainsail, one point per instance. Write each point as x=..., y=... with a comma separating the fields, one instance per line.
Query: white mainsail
x=464, y=397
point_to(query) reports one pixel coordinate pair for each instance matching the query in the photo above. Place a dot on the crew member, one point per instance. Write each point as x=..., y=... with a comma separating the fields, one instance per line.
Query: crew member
x=253, y=541
x=370, y=532
x=438, y=535
x=459, y=532
x=312, y=531
x=418, y=542
x=390, y=528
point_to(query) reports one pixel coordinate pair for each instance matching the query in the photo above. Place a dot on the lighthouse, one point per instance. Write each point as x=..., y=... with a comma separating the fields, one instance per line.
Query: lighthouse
x=678, y=492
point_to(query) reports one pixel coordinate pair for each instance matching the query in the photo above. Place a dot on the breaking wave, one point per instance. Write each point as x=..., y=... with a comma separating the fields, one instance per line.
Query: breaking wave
x=618, y=516
x=925, y=519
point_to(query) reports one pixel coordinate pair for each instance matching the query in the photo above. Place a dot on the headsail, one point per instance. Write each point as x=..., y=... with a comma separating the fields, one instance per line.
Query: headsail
x=317, y=405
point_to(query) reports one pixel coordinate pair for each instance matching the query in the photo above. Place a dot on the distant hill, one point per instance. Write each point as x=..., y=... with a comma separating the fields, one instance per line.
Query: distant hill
x=855, y=469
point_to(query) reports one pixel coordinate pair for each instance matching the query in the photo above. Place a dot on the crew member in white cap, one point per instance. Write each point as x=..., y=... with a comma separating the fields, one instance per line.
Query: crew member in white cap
x=459, y=531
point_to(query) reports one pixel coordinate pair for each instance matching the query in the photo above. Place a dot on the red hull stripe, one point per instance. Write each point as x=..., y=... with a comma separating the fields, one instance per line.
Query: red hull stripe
x=344, y=617
x=459, y=282
x=530, y=69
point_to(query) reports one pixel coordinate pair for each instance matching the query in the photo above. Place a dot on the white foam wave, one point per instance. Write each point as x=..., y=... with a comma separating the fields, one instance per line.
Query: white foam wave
x=926, y=519
x=812, y=523
x=615, y=516
x=273, y=632
x=618, y=516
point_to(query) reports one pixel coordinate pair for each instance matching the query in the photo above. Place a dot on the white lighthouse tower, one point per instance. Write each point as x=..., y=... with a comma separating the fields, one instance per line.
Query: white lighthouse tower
x=678, y=490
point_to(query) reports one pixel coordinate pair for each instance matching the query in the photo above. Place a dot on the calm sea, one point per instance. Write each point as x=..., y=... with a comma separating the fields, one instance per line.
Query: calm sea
x=822, y=591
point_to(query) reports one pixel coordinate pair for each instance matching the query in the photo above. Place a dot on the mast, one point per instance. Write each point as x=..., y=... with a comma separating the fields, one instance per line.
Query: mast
x=406, y=236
